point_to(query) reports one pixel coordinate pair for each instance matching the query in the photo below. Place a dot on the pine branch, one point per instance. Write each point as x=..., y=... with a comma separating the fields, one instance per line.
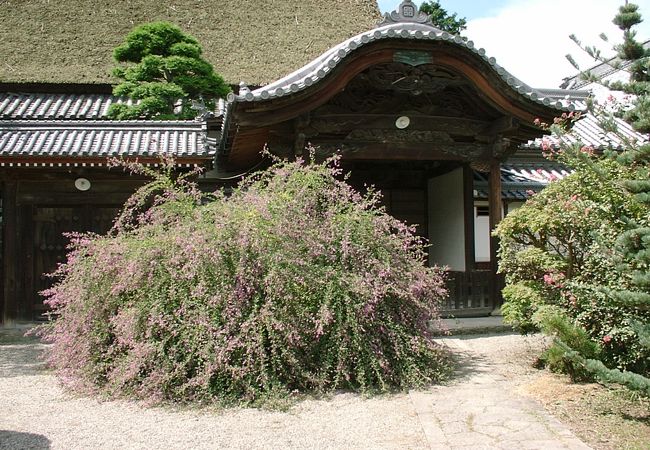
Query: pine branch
x=606, y=375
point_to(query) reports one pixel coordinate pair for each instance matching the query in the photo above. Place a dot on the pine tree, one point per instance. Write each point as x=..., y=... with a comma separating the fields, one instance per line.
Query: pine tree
x=639, y=83
x=633, y=244
x=163, y=72
x=442, y=19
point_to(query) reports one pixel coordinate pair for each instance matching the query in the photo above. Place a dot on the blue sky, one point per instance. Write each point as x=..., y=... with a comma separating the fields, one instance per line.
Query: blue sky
x=530, y=38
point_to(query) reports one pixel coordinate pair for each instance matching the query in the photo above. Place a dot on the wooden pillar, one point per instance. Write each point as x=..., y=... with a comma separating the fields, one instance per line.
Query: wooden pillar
x=300, y=139
x=468, y=200
x=9, y=254
x=496, y=214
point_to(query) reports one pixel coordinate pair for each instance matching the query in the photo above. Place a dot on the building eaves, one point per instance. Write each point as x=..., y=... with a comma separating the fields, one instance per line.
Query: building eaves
x=521, y=180
x=601, y=71
x=589, y=132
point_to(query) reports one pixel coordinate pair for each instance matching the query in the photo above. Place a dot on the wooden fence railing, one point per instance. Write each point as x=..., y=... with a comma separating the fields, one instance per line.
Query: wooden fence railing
x=470, y=293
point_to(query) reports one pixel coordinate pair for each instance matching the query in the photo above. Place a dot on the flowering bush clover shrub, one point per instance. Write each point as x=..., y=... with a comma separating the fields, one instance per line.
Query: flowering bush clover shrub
x=294, y=282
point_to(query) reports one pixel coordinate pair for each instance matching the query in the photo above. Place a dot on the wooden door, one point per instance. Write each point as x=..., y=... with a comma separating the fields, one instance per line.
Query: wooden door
x=409, y=206
x=49, y=243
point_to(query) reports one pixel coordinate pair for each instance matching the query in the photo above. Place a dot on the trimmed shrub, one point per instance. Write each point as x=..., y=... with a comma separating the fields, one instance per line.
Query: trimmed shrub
x=293, y=282
x=521, y=300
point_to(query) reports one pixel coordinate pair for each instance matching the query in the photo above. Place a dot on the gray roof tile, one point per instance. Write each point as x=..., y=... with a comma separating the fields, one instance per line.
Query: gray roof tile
x=101, y=139
x=519, y=180
x=601, y=70
x=587, y=131
x=26, y=106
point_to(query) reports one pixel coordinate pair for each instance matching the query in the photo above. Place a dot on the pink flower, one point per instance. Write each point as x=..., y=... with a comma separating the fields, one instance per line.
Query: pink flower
x=548, y=279
x=554, y=279
x=607, y=338
x=587, y=149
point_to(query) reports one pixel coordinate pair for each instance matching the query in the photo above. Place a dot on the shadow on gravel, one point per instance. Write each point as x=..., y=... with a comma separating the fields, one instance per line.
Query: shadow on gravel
x=487, y=357
x=471, y=366
x=15, y=440
x=20, y=355
x=467, y=365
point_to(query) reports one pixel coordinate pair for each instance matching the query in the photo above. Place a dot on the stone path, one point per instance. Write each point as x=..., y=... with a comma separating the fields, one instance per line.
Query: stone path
x=481, y=408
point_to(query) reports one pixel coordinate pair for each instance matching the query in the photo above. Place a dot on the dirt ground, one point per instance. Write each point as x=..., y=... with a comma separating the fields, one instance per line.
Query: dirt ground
x=604, y=418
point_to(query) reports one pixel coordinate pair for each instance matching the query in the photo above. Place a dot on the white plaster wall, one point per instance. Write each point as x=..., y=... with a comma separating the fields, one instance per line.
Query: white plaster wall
x=514, y=205
x=446, y=220
x=481, y=235
x=482, y=230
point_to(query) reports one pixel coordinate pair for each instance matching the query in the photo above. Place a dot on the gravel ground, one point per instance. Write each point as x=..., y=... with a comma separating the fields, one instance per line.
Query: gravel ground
x=36, y=413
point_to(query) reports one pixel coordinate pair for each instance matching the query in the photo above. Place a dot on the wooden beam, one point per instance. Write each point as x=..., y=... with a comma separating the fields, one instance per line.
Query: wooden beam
x=299, y=148
x=417, y=151
x=27, y=295
x=395, y=152
x=468, y=204
x=501, y=126
x=324, y=123
x=496, y=213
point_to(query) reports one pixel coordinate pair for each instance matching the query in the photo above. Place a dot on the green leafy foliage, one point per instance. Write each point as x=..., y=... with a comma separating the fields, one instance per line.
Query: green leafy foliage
x=560, y=249
x=163, y=73
x=603, y=373
x=521, y=301
x=442, y=19
x=294, y=282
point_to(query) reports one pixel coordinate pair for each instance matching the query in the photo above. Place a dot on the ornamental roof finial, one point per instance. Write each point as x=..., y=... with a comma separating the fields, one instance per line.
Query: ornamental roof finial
x=407, y=11
x=243, y=88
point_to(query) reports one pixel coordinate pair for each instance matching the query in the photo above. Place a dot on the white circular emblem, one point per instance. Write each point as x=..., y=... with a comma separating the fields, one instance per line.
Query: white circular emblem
x=402, y=122
x=82, y=184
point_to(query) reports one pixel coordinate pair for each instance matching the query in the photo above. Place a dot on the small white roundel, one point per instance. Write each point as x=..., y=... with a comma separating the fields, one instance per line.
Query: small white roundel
x=402, y=122
x=82, y=184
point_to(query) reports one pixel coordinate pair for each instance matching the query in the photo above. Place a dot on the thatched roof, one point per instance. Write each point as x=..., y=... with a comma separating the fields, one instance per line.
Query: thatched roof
x=71, y=41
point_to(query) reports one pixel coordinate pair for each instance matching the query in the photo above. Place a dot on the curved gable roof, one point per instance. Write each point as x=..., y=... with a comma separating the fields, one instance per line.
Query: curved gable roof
x=321, y=67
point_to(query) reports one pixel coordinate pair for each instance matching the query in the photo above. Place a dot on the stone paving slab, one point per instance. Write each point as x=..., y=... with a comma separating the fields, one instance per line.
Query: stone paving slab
x=482, y=412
